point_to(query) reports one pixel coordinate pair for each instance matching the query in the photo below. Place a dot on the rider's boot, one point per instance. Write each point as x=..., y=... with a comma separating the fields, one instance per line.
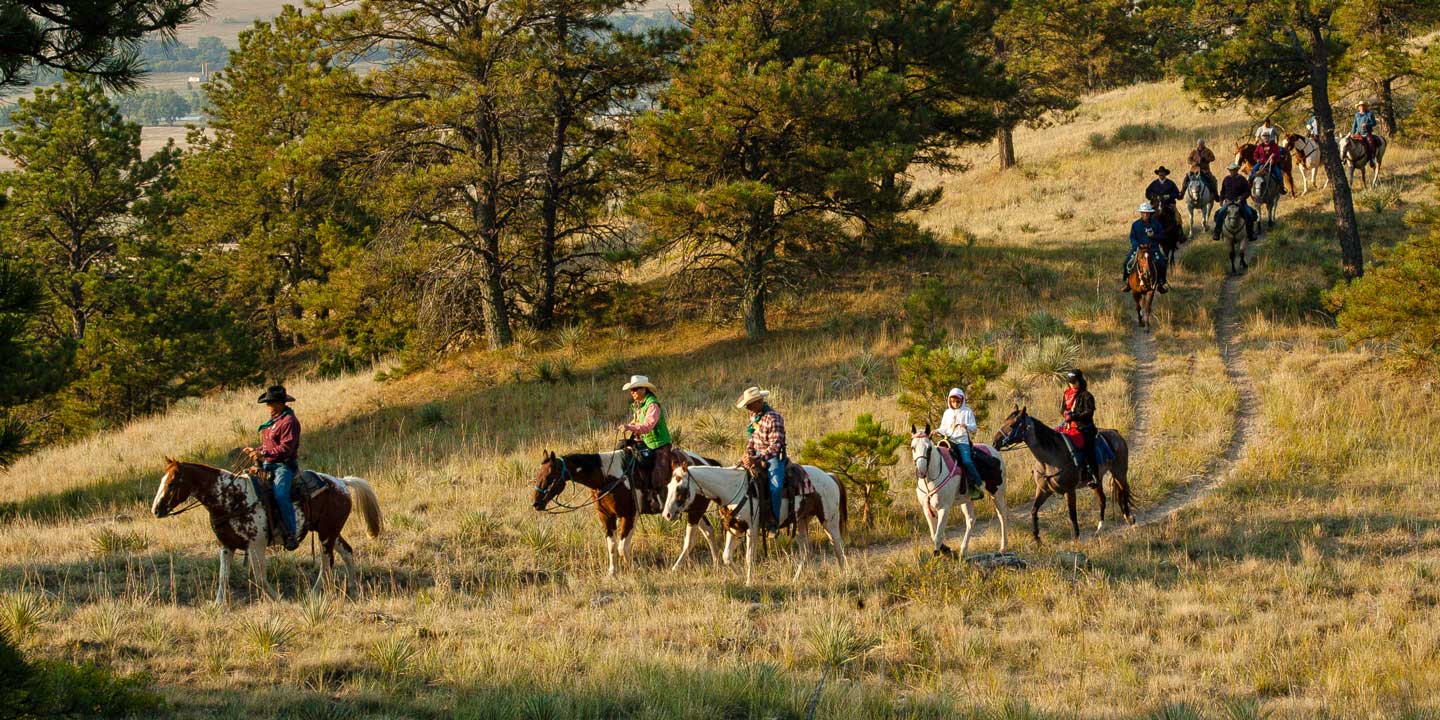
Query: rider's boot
x=977, y=489
x=289, y=538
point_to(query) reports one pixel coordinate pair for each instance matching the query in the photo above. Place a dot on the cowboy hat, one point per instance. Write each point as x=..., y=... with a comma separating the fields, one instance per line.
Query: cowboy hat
x=275, y=393
x=639, y=381
x=1233, y=166
x=1162, y=169
x=1362, y=103
x=750, y=395
x=1145, y=207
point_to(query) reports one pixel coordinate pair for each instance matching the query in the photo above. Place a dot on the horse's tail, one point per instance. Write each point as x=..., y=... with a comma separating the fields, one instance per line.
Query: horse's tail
x=844, y=509
x=368, y=504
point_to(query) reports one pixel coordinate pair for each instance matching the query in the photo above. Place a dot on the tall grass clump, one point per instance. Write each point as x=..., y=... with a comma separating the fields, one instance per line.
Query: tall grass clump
x=22, y=614
x=267, y=638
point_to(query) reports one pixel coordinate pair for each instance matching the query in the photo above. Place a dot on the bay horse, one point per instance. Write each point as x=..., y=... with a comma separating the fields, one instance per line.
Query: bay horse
x=1266, y=193
x=1304, y=152
x=1055, y=472
x=1356, y=155
x=1233, y=230
x=940, y=481
x=610, y=476
x=1245, y=156
x=240, y=519
x=1172, y=234
x=1197, y=197
x=731, y=490
x=1142, y=282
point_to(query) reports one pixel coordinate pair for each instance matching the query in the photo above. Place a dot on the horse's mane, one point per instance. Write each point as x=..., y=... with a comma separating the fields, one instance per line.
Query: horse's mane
x=582, y=462
x=202, y=466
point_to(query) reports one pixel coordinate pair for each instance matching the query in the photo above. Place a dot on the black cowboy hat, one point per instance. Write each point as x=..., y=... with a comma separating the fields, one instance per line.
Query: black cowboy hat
x=276, y=393
x=1075, y=376
x=1162, y=169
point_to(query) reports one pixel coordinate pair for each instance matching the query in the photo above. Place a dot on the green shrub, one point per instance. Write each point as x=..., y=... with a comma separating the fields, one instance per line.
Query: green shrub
x=1390, y=304
x=926, y=312
x=858, y=457
x=54, y=688
x=926, y=376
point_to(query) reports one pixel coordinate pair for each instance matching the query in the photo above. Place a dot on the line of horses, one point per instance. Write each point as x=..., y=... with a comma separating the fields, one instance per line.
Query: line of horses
x=242, y=521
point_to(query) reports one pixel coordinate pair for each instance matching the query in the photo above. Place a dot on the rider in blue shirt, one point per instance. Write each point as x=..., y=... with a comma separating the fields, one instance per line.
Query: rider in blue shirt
x=1364, y=126
x=1145, y=231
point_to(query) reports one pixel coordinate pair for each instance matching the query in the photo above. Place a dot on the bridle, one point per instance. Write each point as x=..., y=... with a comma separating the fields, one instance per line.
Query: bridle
x=545, y=487
x=932, y=448
x=1015, y=438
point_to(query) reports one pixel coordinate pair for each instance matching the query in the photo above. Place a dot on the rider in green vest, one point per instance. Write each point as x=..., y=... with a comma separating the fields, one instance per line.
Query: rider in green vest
x=647, y=423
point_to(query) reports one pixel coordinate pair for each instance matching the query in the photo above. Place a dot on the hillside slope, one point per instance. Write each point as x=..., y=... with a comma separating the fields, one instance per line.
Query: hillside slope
x=1303, y=586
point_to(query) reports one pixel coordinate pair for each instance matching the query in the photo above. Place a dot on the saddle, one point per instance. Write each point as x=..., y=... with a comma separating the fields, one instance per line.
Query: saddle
x=307, y=485
x=797, y=486
x=987, y=464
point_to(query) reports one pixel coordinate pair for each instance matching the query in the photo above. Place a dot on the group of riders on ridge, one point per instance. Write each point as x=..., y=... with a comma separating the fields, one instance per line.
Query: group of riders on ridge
x=1269, y=157
x=766, y=455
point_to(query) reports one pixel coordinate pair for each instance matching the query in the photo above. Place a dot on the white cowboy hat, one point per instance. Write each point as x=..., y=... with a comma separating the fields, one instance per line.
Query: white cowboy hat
x=750, y=395
x=1362, y=102
x=957, y=393
x=639, y=381
x=1233, y=166
x=1145, y=207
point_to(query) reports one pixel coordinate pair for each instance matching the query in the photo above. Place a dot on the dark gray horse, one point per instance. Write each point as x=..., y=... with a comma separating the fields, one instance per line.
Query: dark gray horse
x=1055, y=471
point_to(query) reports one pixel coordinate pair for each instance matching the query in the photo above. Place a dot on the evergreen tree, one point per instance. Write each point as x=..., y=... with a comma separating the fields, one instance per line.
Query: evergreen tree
x=764, y=147
x=859, y=457
x=927, y=374
x=1386, y=40
x=99, y=38
x=21, y=299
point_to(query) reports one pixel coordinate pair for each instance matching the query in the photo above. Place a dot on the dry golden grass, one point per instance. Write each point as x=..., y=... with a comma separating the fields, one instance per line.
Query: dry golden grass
x=1305, y=588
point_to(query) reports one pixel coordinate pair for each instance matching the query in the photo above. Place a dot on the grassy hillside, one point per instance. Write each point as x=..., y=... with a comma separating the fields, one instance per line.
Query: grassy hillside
x=1304, y=586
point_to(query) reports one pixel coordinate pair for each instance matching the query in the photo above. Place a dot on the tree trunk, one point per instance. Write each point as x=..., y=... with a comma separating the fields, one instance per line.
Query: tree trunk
x=493, y=309
x=544, y=313
x=1387, y=108
x=1005, y=143
x=755, y=293
x=1351, y=253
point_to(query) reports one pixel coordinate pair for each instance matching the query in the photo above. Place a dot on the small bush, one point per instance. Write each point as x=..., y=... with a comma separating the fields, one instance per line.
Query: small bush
x=927, y=375
x=431, y=415
x=267, y=638
x=393, y=657
x=571, y=337
x=859, y=457
x=53, y=688
x=1132, y=134
x=1065, y=214
x=927, y=311
x=1380, y=198
x=715, y=432
x=860, y=374
x=23, y=613
x=836, y=643
x=109, y=541
x=557, y=370
x=1049, y=359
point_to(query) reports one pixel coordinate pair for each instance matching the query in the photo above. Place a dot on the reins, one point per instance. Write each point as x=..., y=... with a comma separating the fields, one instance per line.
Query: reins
x=566, y=476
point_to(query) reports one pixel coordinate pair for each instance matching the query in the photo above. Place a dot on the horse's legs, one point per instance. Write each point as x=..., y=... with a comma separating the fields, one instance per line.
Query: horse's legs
x=325, y=564
x=942, y=517
x=927, y=511
x=968, y=508
x=708, y=532
x=729, y=547
x=222, y=592
x=1041, y=495
x=1100, y=493
x=627, y=525
x=802, y=542
x=1000, y=512
x=1070, y=505
x=347, y=554
x=832, y=530
x=684, y=547
x=256, y=557
x=750, y=533
x=609, y=522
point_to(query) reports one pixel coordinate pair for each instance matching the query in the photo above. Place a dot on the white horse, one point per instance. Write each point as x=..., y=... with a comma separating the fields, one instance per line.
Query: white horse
x=1305, y=154
x=939, y=484
x=731, y=489
x=1356, y=156
x=1266, y=192
x=1198, y=197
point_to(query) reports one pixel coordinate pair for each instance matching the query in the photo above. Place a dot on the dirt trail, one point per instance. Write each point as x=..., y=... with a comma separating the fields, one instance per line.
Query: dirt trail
x=1226, y=327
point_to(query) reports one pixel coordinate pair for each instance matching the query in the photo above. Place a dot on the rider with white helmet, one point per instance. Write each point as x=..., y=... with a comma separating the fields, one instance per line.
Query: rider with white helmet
x=958, y=425
x=1145, y=231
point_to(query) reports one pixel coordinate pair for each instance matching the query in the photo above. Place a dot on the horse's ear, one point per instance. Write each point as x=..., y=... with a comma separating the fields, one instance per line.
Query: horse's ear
x=169, y=460
x=927, y=429
x=912, y=428
x=1025, y=410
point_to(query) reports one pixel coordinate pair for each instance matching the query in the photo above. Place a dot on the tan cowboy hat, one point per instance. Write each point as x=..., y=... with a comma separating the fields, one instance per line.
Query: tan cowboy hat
x=1362, y=103
x=639, y=381
x=750, y=395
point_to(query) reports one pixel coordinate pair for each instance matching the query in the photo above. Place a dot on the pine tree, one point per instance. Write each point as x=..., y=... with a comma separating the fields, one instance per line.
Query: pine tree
x=98, y=38
x=927, y=374
x=859, y=457
x=1277, y=51
x=1385, y=42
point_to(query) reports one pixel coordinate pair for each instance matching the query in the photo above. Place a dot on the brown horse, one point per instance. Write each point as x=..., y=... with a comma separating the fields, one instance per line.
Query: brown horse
x=611, y=477
x=1172, y=233
x=1055, y=470
x=241, y=520
x=1142, y=282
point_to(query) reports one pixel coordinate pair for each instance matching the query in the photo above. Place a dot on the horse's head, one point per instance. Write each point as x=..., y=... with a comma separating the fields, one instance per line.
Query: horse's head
x=1257, y=186
x=177, y=484
x=921, y=447
x=550, y=480
x=680, y=492
x=1014, y=430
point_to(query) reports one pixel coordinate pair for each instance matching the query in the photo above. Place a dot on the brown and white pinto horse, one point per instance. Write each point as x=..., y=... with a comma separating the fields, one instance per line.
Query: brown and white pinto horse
x=1143, y=281
x=609, y=475
x=240, y=520
x=1305, y=153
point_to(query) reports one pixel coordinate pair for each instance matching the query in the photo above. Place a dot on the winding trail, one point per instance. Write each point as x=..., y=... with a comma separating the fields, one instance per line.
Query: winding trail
x=1226, y=327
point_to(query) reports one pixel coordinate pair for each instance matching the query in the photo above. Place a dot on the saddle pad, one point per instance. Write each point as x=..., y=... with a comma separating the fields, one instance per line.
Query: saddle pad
x=309, y=483
x=1073, y=437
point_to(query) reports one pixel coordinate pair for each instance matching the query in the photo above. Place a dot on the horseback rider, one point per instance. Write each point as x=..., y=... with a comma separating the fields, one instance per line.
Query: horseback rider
x=1237, y=192
x=957, y=425
x=1267, y=132
x=1200, y=159
x=1145, y=231
x=1312, y=126
x=1077, y=406
x=1363, y=127
x=279, y=456
x=647, y=424
x=1270, y=156
x=765, y=447
x=1162, y=189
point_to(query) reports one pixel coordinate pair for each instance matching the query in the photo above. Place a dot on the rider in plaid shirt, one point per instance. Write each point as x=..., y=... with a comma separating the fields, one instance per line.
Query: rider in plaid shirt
x=766, y=445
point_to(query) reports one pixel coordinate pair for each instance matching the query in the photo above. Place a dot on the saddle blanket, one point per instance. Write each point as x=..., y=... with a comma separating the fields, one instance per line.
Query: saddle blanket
x=309, y=483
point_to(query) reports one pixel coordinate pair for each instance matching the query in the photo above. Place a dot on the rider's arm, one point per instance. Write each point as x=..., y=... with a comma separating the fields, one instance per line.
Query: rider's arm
x=652, y=417
x=967, y=416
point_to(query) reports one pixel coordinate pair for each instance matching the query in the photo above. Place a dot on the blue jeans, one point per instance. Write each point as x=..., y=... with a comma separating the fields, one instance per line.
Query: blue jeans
x=775, y=469
x=1246, y=212
x=283, y=475
x=964, y=450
